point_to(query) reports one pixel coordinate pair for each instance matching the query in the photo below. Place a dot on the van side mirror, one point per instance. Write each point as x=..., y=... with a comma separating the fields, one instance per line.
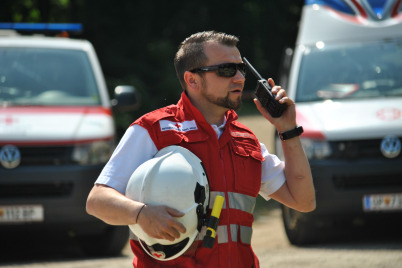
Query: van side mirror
x=126, y=99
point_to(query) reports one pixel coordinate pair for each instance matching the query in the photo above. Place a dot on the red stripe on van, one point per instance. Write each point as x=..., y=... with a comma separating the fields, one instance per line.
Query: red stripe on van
x=360, y=8
x=344, y=16
x=53, y=142
x=309, y=130
x=395, y=9
x=56, y=109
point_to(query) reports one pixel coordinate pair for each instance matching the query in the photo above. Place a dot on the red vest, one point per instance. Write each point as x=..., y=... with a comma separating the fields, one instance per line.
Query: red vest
x=233, y=165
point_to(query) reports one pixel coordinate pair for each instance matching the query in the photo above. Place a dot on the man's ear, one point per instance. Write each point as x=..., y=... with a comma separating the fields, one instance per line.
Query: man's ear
x=191, y=80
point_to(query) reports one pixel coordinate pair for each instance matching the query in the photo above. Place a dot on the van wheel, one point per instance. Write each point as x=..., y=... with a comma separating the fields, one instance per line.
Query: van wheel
x=110, y=243
x=299, y=227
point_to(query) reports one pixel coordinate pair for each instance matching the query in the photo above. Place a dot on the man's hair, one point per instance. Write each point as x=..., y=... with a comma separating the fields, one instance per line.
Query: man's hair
x=190, y=54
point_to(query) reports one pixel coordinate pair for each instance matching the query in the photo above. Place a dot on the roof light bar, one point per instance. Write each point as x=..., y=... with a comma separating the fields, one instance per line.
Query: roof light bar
x=335, y=4
x=374, y=10
x=42, y=27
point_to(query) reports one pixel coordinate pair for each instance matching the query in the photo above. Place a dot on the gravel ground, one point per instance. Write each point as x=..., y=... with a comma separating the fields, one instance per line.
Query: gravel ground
x=274, y=250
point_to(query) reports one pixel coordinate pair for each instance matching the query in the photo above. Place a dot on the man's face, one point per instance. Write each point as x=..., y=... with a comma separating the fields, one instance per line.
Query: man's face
x=223, y=92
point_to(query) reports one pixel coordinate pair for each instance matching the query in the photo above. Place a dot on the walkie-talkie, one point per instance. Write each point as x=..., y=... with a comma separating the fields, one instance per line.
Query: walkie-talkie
x=264, y=94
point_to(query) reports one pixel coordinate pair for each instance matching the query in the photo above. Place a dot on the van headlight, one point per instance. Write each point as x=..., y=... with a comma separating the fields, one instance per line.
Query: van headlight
x=316, y=149
x=93, y=153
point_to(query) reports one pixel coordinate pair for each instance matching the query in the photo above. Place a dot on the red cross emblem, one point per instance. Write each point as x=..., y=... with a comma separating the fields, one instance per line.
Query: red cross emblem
x=159, y=255
x=8, y=120
x=389, y=114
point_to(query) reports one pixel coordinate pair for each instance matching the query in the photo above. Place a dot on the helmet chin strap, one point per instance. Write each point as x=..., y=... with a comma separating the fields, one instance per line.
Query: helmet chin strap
x=167, y=252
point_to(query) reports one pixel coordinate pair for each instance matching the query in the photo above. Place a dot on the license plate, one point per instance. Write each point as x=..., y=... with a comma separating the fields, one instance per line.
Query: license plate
x=21, y=213
x=381, y=202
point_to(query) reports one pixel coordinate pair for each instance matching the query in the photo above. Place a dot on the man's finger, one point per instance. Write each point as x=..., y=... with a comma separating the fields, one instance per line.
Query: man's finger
x=174, y=212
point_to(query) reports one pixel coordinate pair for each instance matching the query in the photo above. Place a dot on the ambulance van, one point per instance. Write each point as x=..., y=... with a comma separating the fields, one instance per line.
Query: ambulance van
x=56, y=134
x=345, y=74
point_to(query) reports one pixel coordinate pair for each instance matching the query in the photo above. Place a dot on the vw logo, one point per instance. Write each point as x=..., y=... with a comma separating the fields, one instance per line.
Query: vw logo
x=10, y=156
x=390, y=146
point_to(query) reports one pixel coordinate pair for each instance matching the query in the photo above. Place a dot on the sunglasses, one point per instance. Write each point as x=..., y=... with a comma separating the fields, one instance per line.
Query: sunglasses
x=224, y=69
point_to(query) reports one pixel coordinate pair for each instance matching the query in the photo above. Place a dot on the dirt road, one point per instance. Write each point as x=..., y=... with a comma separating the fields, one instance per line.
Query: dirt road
x=273, y=249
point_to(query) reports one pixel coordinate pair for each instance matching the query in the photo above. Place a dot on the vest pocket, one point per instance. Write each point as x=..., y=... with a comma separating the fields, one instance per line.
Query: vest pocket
x=247, y=164
x=175, y=138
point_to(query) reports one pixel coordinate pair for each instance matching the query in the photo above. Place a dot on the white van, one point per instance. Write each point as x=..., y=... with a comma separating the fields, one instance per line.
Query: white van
x=345, y=75
x=56, y=134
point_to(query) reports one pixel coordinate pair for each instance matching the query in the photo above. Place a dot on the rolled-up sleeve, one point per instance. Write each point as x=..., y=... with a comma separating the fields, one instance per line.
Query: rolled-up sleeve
x=273, y=176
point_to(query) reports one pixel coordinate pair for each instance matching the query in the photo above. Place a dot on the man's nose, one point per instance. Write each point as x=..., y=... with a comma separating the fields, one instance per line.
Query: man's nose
x=239, y=76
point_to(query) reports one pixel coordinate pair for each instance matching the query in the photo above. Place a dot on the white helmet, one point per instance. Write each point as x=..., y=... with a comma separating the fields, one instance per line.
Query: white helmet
x=175, y=177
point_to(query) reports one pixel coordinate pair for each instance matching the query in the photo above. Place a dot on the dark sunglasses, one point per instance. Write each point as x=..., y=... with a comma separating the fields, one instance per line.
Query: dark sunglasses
x=224, y=69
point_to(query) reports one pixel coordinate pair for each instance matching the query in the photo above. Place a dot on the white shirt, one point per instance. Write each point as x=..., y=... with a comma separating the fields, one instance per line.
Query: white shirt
x=136, y=147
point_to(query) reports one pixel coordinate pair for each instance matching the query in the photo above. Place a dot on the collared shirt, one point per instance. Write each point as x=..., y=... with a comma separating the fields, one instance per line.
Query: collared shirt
x=136, y=147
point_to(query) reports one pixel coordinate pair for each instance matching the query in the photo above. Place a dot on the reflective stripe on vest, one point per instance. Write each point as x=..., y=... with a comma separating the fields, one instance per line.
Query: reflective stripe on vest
x=222, y=234
x=246, y=233
x=242, y=202
x=238, y=201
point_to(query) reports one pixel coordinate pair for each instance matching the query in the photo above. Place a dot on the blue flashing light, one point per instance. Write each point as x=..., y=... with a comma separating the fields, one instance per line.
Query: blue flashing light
x=379, y=11
x=372, y=7
x=42, y=27
x=378, y=6
x=339, y=5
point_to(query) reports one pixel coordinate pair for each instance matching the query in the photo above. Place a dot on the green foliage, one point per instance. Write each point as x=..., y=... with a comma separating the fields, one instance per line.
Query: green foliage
x=136, y=40
x=35, y=10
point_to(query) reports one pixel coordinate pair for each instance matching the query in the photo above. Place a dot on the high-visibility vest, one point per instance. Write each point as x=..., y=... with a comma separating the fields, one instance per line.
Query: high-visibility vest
x=233, y=165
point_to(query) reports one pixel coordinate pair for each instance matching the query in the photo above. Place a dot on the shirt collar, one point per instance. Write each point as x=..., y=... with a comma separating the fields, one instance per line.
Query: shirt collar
x=219, y=130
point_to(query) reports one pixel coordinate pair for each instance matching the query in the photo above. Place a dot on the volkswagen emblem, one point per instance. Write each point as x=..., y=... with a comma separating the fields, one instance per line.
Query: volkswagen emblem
x=390, y=146
x=10, y=156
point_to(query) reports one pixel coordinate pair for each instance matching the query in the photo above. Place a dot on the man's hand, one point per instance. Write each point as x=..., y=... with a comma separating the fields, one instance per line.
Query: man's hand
x=159, y=222
x=288, y=119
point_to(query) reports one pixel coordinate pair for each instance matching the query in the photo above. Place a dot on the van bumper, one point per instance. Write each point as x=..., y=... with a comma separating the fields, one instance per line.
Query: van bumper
x=62, y=191
x=342, y=184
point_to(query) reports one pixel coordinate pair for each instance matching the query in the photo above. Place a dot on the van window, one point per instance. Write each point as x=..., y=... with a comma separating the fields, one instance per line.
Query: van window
x=38, y=76
x=358, y=70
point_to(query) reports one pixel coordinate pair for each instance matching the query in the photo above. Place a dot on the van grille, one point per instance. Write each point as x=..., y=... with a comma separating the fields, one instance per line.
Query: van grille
x=357, y=149
x=367, y=181
x=49, y=155
x=35, y=190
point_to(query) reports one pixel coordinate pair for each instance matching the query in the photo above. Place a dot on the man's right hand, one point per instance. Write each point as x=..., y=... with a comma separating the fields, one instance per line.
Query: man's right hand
x=159, y=222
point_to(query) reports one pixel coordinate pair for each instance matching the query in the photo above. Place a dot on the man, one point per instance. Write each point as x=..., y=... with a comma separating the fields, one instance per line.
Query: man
x=210, y=69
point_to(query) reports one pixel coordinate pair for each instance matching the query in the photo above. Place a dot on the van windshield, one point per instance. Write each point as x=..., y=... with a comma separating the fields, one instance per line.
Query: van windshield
x=359, y=70
x=39, y=76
